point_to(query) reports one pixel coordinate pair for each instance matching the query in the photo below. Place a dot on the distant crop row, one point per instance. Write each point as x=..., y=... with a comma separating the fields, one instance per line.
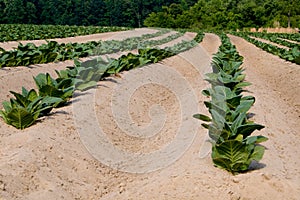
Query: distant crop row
x=15, y=32
x=276, y=39
x=292, y=55
x=26, y=107
x=30, y=54
x=293, y=37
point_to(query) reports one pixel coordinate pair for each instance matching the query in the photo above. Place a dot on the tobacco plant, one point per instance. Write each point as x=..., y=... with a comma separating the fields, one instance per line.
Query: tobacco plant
x=26, y=108
x=59, y=88
x=229, y=127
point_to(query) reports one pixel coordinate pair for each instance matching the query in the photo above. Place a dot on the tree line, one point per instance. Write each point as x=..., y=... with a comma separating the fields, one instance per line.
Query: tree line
x=129, y=13
x=228, y=14
x=205, y=14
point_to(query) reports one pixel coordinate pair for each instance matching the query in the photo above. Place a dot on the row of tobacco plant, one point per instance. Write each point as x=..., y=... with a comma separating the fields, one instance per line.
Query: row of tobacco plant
x=229, y=125
x=52, y=51
x=292, y=54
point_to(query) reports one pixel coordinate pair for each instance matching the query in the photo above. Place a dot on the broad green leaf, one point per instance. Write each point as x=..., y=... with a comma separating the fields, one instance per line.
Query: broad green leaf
x=247, y=129
x=206, y=93
x=242, y=84
x=243, y=107
x=255, y=139
x=218, y=119
x=231, y=155
x=237, y=123
x=85, y=86
x=7, y=106
x=205, y=125
x=51, y=91
x=32, y=94
x=20, y=118
x=40, y=80
x=21, y=100
x=202, y=117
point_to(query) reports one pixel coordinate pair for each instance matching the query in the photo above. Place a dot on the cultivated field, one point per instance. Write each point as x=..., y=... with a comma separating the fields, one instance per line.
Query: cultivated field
x=132, y=135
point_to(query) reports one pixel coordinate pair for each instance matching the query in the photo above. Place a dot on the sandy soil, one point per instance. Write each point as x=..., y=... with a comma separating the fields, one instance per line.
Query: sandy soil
x=68, y=154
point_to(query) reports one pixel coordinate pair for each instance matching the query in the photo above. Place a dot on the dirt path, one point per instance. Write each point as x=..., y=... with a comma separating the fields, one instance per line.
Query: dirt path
x=211, y=43
x=142, y=122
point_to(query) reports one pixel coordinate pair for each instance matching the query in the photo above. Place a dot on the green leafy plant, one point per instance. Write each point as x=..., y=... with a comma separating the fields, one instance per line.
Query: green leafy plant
x=237, y=155
x=18, y=116
x=276, y=38
x=59, y=88
x=26, y=108
x=229, y=127
x=85, y=75
x=14, y=32
x=199, y=37
x=27, y=97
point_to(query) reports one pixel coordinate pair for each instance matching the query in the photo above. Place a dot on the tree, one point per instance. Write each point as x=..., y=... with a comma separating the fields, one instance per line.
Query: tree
x=14, y=11
x=30, y=16
x=2, y=15
x=289, y=8
x=97, y=13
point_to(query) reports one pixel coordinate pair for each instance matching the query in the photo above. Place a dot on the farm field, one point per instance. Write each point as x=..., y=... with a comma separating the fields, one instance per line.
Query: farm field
x=52, y=159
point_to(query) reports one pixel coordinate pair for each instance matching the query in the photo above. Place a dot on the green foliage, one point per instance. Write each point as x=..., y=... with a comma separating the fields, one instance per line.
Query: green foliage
x=199, y=37
x=25, y=109
x=292, y=37
x=229, y=127
x=204, y=14
x=29, y=54
x=14, y=32
x=86, y=75
x=62, y=88
x=277, y=38
x=18, y=117
x=27, y=97
x=235, y=156
x=227, y=14
x=129, y=13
